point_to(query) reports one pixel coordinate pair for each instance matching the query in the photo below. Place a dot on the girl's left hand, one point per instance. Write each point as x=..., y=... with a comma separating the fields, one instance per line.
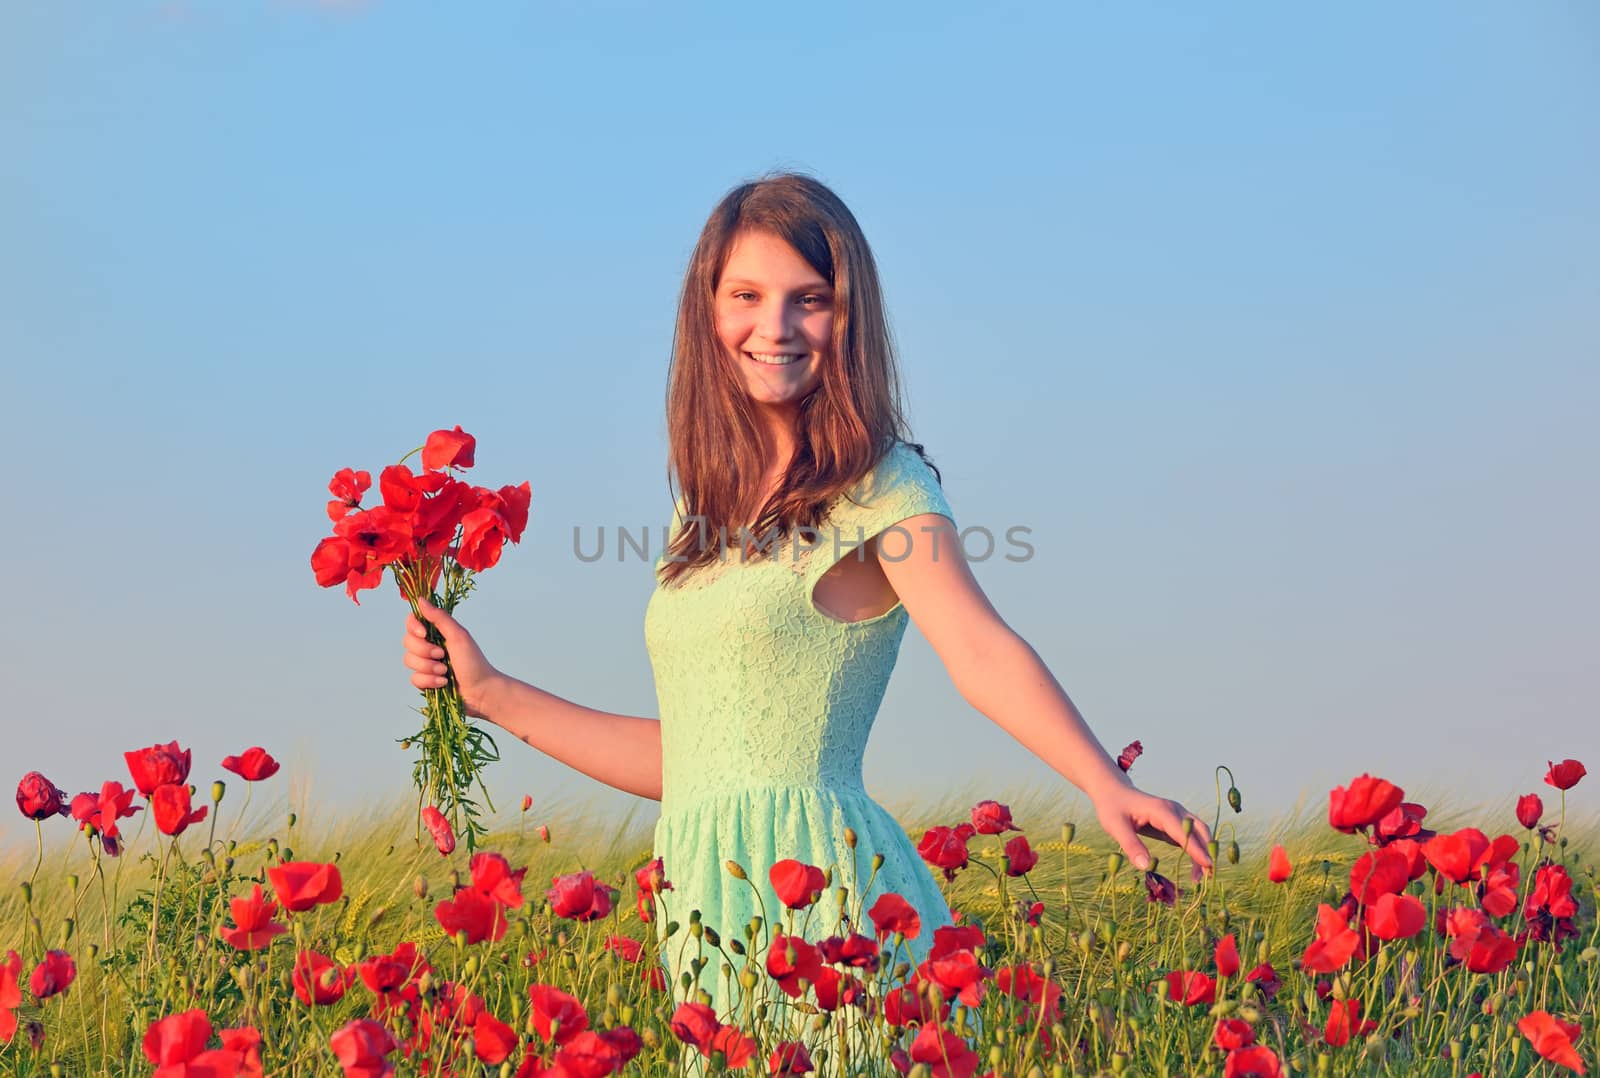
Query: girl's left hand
x=1126, y=812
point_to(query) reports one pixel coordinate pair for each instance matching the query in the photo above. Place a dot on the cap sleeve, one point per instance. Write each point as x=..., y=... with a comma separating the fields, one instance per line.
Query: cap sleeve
x=901, y=486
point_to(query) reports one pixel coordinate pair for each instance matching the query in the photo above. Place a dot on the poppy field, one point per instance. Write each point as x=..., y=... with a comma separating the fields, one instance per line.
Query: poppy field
x=161, y=931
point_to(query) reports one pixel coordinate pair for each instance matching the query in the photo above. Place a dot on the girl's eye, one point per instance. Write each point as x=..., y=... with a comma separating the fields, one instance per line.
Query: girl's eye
x=816, y=300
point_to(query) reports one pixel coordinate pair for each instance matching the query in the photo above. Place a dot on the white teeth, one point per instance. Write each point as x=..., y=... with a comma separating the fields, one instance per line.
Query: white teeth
x=775, y=359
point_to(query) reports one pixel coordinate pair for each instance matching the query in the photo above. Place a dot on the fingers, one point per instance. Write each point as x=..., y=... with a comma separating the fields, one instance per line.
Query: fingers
x=1170, y=818
x=1122, y=833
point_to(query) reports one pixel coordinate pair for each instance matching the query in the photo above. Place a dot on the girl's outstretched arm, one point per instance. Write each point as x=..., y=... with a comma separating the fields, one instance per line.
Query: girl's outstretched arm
x=623, y=751
x=999, y=673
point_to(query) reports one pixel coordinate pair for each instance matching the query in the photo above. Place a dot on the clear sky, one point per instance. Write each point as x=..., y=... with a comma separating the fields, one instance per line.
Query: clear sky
x=1277, y=326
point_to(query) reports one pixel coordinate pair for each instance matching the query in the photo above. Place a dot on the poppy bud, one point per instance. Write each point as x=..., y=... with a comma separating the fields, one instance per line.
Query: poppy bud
x=292, y=819
x=218, y=788
x=736, y=947
x=711, y=936
x=672, y=928
x=850, y=837
x=736, y=870
x=1113, y=863
x=460, y=938
x=544, y=834
x=1235, y=800
x=527, y=802
x=877, y=861
x=1233, y=853
x=1188, y=826
x=66, y=931
x=1067, y=831
x=472, y=965
x=92, y=951
x=696, y=929
x=405, y=743
x=1212, y=849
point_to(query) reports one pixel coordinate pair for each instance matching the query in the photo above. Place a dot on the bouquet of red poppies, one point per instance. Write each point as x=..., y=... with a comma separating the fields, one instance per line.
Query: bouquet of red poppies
x=434, y=532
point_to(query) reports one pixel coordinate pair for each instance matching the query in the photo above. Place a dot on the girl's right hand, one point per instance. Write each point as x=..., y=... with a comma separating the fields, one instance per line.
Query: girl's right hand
x=475, y=678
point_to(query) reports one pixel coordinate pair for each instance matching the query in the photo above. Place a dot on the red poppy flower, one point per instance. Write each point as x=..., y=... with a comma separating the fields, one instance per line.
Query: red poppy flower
x=737, y=1047
x=1257, y=1061
x=797, y=884
x=792, y=962
x=629, y=949
x=1278, y=869
x=444, y=839
x=891, y=914
x=945, y=1052
x=1191, y=988
x=1233, y=1033
x=946, y=848
x=245, y=1042
x=1457, y=856
x=1553, y=1038
x=157, y=766
x=1529, y=809
x=252, y=765
x=179, y=1041
x=1565, y=775
x=492, y=1040
x=580, y=896
x=1129, y=754
x=472, y=912
x=1344, y=1021
x=514, y=504
x=39, y=799
x=318, y=980
x=1334, y=944
x=1020, y=857
x=1550, y=908
x=1384, y=871
x=1395, y=917
x=1479, y=942
x=387, y=974
x=301, y=885
x=1364, y=802
x=1266, y=979
x=52, y=976
x=855, y=950
x=171, y=807
x=449, y=449
x=550, y=1007
x=483, y=535
x=913, y=1002
x=492, y=877
x=991, y=818
x=1404, y=821
x=1226, y=956
x=652, y=878
x=789, y=1058
x=253, y=924
x=948, y=939
x=347, y=486
x=10, y=995
x=103, y=810
x=361, y=1047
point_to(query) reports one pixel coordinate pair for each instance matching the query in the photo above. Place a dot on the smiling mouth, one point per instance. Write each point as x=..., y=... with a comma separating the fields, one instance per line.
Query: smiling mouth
x=775, y=359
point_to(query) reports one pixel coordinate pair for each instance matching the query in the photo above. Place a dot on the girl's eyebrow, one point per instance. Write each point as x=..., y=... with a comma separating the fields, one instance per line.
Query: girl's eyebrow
x=815, y=286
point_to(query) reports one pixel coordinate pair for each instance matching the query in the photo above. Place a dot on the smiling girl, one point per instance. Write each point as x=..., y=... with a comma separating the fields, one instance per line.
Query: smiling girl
x=808, y=532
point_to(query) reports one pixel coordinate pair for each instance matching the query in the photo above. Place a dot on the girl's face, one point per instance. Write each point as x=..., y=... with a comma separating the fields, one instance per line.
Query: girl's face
x=775, y=317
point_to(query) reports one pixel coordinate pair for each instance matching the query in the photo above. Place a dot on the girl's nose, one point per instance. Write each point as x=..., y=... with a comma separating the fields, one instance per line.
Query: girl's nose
x=775, y=322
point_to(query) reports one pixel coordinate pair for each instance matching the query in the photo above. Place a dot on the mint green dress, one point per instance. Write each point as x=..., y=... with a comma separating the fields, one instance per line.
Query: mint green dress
x=766, y=704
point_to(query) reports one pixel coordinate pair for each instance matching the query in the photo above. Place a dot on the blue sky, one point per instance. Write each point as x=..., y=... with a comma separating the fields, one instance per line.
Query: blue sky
x=1277, y=326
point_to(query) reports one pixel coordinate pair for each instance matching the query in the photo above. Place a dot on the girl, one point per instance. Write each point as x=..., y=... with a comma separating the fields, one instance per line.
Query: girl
x=808, y=531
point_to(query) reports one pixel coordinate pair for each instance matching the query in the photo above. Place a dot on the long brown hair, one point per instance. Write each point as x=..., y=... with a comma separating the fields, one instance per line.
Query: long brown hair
x=846, y=424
